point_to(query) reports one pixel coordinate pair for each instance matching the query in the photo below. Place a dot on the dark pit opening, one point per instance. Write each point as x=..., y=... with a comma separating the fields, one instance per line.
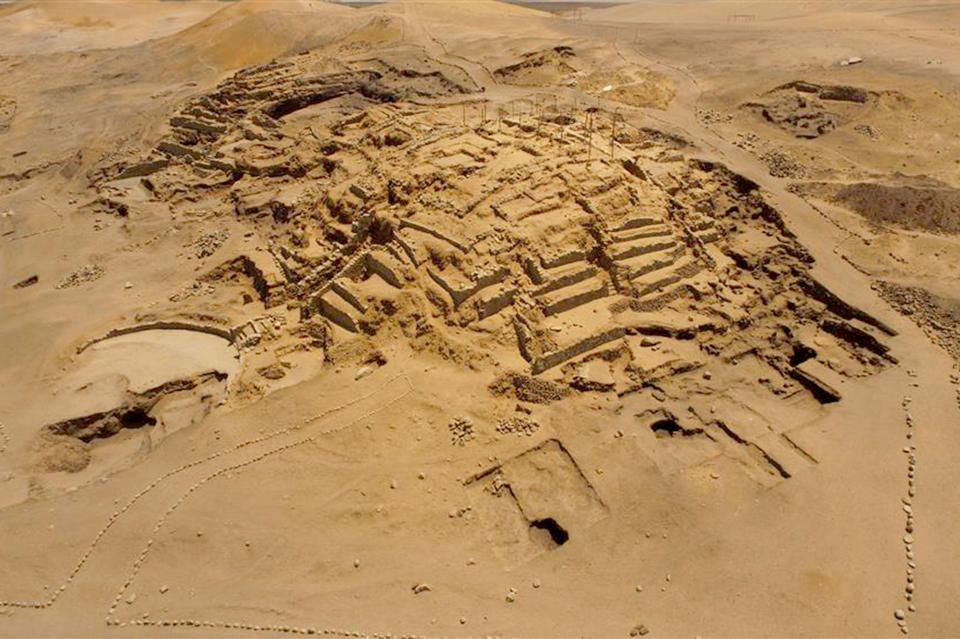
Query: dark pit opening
x=381, y=231
x=801, y=354
x=666, y=428
x=136, y=418
x=557, y=533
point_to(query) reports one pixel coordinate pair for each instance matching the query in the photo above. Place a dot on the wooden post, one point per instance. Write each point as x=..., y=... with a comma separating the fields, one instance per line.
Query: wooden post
x=613, y=131
x=589, y=136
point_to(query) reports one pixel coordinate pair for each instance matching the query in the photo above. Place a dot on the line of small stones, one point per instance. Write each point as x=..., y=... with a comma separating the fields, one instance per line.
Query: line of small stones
x=911, y=451
x=306, y=630
x=111, y=620
x=955, y=380
x=4, y=438
x=84, y=558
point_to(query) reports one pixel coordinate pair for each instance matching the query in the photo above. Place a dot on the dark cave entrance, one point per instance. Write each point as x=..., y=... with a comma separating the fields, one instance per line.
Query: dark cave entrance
x=549, y=532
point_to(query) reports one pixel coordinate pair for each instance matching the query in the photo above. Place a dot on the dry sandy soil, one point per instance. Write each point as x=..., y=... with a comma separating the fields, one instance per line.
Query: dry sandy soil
x=433, y=319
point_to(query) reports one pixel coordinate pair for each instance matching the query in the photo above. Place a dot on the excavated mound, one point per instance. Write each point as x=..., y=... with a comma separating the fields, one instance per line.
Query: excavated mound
x=540, y=68
x=909, y=203
x=560, y=66
x=403, y=339
x=809, y=110
x=931, y=209
x=461, y=231
x=800, y=115
x=156, y=379
x=938, y=316
x=630, y=85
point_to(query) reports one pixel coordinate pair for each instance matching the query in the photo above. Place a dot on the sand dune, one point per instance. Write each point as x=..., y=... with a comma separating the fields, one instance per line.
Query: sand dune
x=66, y=25
x=464, y=8
x=256, y=31
x=822, y=13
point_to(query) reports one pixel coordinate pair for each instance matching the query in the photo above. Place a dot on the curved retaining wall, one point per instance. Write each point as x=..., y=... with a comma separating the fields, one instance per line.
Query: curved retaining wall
x=224, y=333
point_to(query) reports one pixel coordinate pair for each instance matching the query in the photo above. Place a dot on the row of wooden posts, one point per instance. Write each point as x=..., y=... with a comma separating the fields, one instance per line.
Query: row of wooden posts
x=588, y=122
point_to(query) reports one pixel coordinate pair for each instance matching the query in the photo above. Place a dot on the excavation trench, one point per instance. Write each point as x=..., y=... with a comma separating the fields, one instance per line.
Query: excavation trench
x=133, y=380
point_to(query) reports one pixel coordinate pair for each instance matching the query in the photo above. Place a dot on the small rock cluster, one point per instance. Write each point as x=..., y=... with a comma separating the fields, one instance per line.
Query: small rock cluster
x=940, y=324
x=518, y=425
x=748, y=141
x=528, y=389
x=955, y=380
x=709, y=116
x=272, y=371
x=867, y=130
x=781, y=165
x=208, y=243
x=461, y=431
x=193, y=289
x=86, y=273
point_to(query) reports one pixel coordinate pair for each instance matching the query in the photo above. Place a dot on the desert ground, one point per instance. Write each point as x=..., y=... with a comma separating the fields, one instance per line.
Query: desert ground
x=467, y=318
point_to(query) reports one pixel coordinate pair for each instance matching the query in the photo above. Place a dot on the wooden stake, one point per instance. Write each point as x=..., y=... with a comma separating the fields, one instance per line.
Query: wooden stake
x=589, y=136
x=613, y=132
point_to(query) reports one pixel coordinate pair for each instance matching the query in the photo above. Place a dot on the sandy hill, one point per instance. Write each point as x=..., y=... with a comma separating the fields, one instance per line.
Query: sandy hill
x=462, y=22
x=814, y=13
x=448, y=8
x=66, y=25
x=255, y=31
x=107, y=13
